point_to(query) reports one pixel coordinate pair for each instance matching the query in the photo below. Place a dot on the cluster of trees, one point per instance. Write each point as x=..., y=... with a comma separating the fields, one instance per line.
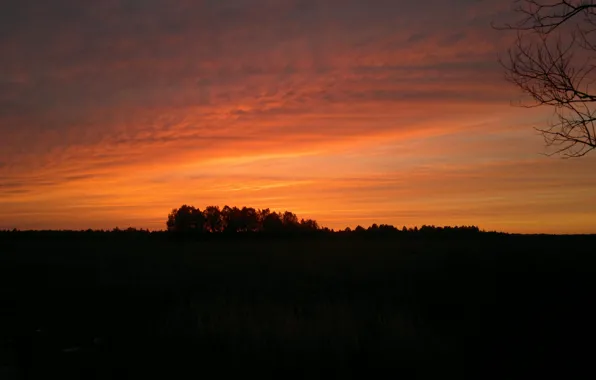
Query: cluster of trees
x=389, y=229
x=236, y=220
x=188, y=219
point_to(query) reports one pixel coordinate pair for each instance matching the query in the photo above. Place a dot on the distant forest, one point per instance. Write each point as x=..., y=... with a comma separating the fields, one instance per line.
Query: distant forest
x=247, y=221
x=250, y=220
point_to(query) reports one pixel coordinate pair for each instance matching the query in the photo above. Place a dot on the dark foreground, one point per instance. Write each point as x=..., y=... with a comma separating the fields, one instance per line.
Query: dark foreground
x=482, y=307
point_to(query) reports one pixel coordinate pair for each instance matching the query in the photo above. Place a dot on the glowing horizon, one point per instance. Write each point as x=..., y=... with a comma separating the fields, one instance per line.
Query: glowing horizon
x=348, y=112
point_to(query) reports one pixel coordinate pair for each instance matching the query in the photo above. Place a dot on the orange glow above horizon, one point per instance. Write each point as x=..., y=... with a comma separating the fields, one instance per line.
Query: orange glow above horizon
x=344, y=116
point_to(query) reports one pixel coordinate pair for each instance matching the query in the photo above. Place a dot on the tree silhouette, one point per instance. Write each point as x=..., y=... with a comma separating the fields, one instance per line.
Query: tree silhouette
x=186, y=219
x=231, y=219
x=290, y=221
x=552, y=62
x=214, y=221
x=247, y=220
x=250, y=219
x=237, y=220
x=309, y=225
x=272, y=222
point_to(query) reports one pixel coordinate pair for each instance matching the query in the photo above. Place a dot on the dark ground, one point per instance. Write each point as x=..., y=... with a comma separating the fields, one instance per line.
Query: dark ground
x=484, y=307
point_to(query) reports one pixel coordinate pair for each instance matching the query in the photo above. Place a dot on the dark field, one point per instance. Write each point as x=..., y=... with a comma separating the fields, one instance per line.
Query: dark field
x=351, y=307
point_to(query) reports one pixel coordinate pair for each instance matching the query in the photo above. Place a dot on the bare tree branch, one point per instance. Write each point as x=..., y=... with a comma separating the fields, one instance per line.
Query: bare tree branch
x=543, y=16
x=554, y=66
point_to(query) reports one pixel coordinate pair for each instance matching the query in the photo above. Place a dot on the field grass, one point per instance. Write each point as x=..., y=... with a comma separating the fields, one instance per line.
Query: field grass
x=486, y=306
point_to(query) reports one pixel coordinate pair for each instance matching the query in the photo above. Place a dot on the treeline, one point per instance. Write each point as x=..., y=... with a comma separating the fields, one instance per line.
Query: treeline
x=382, y=229
x=188, y=219
x=229, y=221
x=387, y=229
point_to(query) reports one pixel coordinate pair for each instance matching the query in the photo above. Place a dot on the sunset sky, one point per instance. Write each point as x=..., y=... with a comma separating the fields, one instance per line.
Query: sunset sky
x=350, y=112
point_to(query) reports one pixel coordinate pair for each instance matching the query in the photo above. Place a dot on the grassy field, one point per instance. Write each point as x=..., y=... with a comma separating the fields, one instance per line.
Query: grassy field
x=486, y=306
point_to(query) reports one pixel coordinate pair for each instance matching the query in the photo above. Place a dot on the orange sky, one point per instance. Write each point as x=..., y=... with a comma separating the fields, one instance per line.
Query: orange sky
x=350, y=112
